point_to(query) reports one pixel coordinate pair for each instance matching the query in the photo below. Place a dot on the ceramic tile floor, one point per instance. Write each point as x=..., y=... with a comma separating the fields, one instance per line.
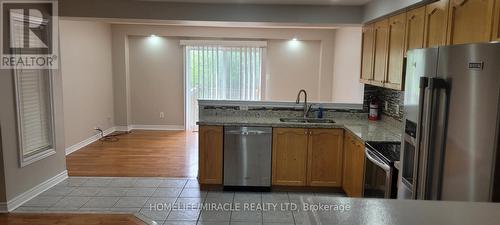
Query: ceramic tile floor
x=138, y=195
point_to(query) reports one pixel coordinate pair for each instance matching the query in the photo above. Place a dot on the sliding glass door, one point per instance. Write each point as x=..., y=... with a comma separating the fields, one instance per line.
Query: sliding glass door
x=221, y=73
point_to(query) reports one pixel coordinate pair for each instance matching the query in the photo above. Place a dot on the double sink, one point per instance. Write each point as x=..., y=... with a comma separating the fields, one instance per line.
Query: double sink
x=306, y=120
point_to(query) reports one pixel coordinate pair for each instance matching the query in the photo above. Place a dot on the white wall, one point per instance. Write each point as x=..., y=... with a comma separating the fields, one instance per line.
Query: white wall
x=379, y=8
x=311, y=67
x=156, y=81
x=291, y=66
x=347, y=66
x=19, y=180
x=86, y=68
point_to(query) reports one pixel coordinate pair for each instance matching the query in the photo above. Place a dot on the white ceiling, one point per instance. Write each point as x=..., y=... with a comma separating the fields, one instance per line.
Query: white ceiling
x=281, y=2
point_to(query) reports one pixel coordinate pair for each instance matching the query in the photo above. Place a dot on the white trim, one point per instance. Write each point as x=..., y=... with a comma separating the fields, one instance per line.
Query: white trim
x=260, y=44
x=326, y=105
x=35, y=191
x=157, y=127
x=24, y=161
x=123, y=128
x=88, y=141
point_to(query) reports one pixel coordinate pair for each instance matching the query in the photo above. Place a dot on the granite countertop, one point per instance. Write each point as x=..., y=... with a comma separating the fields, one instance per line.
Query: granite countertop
x=403, y=212
x=362, y=128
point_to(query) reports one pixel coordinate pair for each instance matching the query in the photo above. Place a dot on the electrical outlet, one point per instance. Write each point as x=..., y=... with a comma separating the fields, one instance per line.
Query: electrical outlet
x=397, y=109
x=244, y=107
x=386, y=107
x=162, y=115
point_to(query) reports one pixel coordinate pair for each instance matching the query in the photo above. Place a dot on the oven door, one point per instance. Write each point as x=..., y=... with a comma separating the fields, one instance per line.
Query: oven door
x=378, y=177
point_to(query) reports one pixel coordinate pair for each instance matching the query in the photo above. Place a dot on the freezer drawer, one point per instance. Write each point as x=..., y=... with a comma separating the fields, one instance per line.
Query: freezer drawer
x=247, y=156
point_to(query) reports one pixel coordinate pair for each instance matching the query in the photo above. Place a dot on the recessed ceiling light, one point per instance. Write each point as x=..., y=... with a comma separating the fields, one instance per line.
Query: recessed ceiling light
x=295, y=39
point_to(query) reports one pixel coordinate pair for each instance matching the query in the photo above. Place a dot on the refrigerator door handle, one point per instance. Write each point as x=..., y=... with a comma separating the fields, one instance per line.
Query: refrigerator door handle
x=428, y=142
x=424, y=81
x=436, y=139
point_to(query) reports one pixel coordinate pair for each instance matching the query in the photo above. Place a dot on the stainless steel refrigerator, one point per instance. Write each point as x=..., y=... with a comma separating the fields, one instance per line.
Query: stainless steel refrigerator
x=451, y=124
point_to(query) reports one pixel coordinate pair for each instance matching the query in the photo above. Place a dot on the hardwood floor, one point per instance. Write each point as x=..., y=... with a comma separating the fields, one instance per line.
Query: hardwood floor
x=139, y=154
x=68, y=219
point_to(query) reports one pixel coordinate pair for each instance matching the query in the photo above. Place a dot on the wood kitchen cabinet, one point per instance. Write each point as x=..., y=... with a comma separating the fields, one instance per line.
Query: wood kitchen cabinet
x=440, y=23
x=324, y=165
x=307, y=157
x=289, y=163
x=358, y=168
x=415, y=24
x=496, y=22
x=470, y=21
x=436, y=22
x=381, y=33
x=367, y=57
x=210, y=154
x=396, y=50
x=354, y=164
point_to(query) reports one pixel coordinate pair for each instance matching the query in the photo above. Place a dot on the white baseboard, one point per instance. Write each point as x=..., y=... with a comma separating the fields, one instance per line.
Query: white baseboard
x=156, y=127
x=33, y=192
x=88, y=141
x=123, y=128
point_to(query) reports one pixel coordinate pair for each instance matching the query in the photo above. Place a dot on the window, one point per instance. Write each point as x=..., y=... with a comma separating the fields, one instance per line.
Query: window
x=223, y=70
x=34, y=114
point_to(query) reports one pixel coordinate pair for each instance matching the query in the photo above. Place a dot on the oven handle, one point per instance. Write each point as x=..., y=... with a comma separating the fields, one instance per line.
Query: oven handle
x=376, y=160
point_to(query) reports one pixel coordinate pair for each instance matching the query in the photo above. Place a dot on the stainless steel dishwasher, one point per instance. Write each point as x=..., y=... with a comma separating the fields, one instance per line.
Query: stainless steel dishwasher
x=247, y=157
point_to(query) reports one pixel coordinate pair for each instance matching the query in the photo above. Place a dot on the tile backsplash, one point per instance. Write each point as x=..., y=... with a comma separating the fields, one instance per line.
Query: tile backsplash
x=394, y=99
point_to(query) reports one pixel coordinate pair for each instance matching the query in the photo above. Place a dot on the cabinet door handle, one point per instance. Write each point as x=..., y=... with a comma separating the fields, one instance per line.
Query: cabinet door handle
x=310, y=132
x=305, y=132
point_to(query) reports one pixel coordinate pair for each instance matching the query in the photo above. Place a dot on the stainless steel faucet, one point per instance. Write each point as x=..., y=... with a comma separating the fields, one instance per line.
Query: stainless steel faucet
x=306, y=107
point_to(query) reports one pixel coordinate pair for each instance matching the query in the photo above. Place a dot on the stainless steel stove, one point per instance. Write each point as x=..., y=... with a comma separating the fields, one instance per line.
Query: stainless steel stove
x=381, y=176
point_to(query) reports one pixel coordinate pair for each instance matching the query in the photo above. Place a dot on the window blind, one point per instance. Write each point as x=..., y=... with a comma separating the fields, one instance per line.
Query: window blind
x=34, y=105
x=224, y=73
x=221, y=72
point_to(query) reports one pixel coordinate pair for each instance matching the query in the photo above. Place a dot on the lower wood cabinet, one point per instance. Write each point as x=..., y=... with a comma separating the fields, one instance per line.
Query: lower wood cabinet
x=354, y=161
x=289, y=163
x=325, y=157
x=210, y=154
x=307, y=157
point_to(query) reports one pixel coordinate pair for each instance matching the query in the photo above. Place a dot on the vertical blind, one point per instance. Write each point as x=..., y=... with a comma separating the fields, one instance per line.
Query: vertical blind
x=217, y=72
x=224, y=73
x=34, y=110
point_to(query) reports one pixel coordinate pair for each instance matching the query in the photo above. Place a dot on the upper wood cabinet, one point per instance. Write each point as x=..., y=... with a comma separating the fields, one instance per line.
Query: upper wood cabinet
x=353, y=173
x=381, y=46
x=442, y=22
x=496, y=22
x=436, y=21
x=397, y=29
x=289, y=156
x=325, y=157
x=415, y=24
x=470, y=21
x=210, y=154
x=368, y=53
